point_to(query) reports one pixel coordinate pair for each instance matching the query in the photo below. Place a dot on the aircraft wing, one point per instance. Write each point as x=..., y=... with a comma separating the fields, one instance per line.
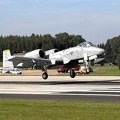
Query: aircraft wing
x=29, y=62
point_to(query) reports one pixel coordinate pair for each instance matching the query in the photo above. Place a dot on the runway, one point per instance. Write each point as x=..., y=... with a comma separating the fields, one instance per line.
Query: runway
x=61, y=88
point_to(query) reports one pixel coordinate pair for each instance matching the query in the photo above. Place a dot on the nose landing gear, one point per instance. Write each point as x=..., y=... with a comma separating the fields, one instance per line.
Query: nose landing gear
x=45, y=74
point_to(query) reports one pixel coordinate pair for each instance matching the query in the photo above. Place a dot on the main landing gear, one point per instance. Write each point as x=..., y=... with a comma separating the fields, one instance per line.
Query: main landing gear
x=72, y=73
x=45, y=75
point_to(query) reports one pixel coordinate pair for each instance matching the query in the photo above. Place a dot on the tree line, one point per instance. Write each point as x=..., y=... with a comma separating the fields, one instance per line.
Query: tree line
x=18, y=44
x=112, y=49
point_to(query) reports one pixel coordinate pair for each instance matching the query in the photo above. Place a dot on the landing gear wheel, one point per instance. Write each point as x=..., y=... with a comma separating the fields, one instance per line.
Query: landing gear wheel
x=44, y=75
x=72, y=73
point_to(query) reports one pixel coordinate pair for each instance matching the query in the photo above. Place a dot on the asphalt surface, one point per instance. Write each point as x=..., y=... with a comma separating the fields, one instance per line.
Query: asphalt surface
x=98, y=89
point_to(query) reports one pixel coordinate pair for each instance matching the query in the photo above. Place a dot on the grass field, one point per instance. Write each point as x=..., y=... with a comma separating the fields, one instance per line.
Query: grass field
x=58, y=110
x=105, y=71
x=63, y=110
x=101, y=71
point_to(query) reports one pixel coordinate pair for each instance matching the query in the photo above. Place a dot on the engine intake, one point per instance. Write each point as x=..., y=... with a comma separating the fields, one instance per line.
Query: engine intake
x=41, y=53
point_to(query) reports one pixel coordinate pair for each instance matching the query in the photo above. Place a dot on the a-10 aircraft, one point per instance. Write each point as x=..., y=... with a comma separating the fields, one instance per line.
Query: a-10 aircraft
x=70, y=57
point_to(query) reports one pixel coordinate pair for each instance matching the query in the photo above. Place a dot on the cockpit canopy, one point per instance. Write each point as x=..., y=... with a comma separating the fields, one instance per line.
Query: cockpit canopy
x=86, y=44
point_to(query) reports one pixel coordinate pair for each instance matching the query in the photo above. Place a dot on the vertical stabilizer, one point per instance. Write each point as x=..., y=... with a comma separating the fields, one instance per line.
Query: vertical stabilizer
x=7, y=65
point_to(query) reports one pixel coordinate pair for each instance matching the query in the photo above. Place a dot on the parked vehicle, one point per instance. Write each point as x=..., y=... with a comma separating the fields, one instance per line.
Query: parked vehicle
x=90, y=69
x=16, y=72
x=62, y=69
x=83, y=70
x=75, y=68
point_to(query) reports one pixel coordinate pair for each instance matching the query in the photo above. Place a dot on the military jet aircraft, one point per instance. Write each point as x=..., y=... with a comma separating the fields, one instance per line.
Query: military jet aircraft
x=70, y=57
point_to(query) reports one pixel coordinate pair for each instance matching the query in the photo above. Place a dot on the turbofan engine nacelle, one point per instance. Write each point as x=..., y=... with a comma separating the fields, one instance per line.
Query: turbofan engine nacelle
x=48, y=52
x=39, y=53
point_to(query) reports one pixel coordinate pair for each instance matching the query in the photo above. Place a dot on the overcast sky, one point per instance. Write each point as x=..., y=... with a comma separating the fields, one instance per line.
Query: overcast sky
x=95, y=20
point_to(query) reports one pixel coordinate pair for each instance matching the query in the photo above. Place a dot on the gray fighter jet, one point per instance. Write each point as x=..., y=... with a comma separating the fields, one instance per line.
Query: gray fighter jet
x=70, y=58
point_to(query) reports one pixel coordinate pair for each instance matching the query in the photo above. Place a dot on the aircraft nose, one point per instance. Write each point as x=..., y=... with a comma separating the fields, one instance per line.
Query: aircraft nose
x=101, y=51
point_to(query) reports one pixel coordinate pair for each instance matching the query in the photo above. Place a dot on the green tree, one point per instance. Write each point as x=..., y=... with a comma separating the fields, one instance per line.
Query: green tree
x=118, y=60
x=112, y=48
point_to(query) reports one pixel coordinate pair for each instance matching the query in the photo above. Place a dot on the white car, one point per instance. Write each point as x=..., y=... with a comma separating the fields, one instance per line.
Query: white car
x=16, y=72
